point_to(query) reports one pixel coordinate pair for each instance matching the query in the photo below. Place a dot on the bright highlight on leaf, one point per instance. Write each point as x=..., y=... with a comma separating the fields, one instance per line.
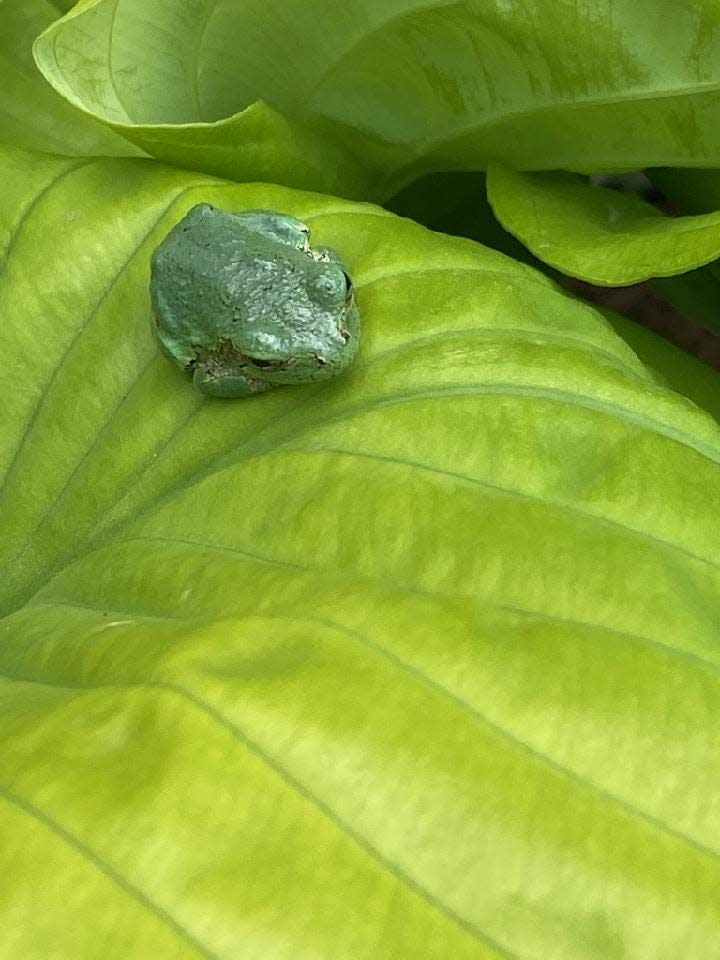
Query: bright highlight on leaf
x=359, y=98
x=596, y=233
x=418, y=662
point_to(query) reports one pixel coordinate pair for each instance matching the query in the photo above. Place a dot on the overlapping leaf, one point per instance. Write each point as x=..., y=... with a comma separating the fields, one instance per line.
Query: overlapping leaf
x=360, y=98
x=420, y=662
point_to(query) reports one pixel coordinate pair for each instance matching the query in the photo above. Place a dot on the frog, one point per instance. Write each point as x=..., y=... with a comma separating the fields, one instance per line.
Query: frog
x=242, y=302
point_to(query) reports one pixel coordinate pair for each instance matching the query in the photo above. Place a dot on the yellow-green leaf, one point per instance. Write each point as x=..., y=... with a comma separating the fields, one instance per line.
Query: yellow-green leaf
x=419, y=662
x=596, y=233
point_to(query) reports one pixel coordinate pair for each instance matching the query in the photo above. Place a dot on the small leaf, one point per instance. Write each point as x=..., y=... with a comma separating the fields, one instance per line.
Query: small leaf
x=598, y=234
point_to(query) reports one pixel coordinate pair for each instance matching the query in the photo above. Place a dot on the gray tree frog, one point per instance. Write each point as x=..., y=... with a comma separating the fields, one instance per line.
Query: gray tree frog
x=244, y=303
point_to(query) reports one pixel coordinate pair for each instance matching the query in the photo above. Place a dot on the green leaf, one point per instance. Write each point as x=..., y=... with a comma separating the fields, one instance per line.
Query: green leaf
x=419, y=662
x=362, y=98
x=598, y=234
x=696, y=294
x=681, y=371
x=32, y=115
x=457, y=203
x=691, y=191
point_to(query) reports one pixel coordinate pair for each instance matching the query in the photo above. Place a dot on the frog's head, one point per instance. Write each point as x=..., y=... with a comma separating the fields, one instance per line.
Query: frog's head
x=297, y=319
x=243, y=298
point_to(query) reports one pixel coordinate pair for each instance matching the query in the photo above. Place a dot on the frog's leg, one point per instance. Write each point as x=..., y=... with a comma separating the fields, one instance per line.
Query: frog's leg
x=351, y=324
x=276, y=226
x=214, y=384
x=328, y=255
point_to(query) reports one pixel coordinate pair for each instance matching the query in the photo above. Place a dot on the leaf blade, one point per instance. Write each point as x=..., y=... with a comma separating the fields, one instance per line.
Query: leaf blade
x=224, y=87
x=598, y=234
x=294, y=665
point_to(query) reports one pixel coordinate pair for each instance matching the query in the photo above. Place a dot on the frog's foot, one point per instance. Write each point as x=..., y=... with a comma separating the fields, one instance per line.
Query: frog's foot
x=213, y=383
x=223, y=372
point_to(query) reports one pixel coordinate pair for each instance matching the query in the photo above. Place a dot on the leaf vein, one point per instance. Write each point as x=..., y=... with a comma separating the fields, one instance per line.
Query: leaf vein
x=43, y=399
x=295, y=785
x=532, y=754
x=104, y=867
x=30, y=207
x=659, y=646
x=508, y=491
x=111, y=73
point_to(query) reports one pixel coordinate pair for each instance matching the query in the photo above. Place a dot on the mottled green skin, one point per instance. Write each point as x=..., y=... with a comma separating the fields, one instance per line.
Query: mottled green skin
x=243, y=302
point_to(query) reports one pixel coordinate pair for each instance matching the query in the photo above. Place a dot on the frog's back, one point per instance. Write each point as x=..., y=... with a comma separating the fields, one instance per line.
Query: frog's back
x=215, y=271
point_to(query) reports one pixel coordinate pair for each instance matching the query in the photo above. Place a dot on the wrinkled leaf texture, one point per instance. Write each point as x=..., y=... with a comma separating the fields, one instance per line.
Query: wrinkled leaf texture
x=420, y=662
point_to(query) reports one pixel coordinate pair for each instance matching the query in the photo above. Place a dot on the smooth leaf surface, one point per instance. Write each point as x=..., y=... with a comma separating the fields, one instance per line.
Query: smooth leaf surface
x=595, y=233
x=361, y=98
x=32, y=114
x=681, y=371
x=420, y=662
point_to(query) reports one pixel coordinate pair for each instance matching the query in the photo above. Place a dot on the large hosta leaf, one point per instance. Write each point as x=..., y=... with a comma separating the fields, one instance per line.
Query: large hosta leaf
x=421, y=662
x=364, y=96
